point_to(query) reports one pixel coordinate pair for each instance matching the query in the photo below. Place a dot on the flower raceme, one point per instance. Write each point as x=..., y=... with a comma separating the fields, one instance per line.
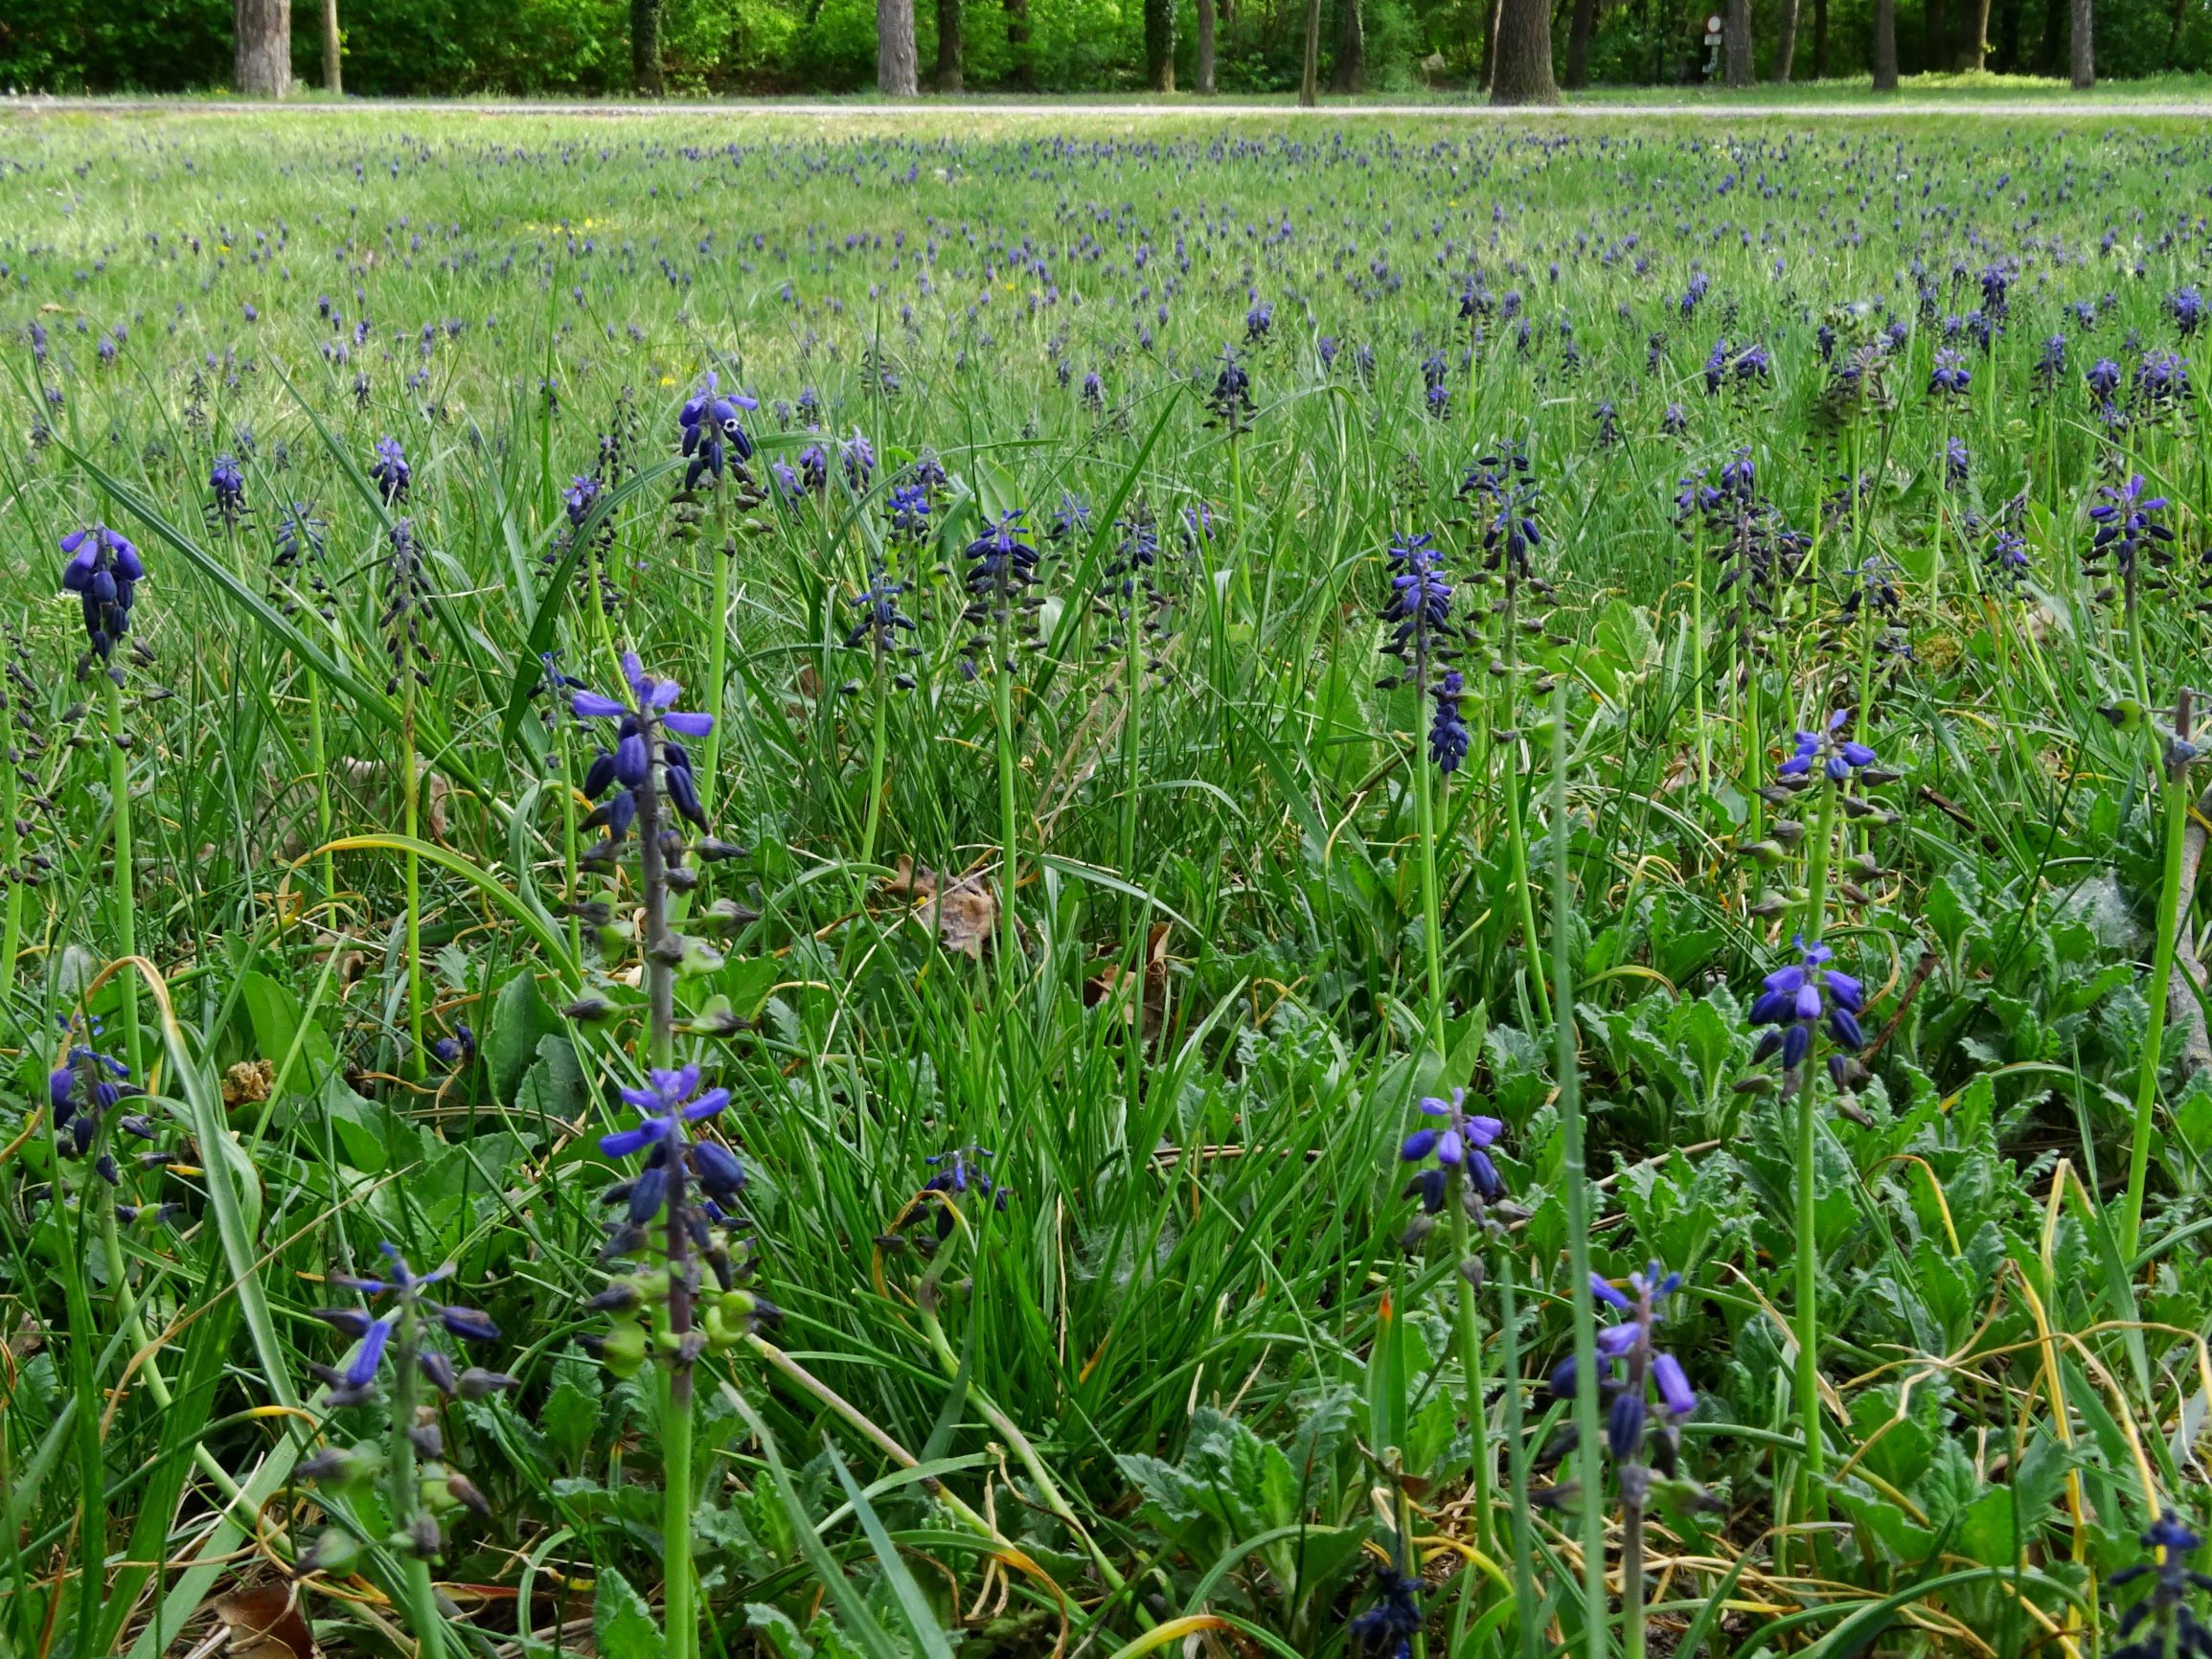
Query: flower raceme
x=1805, y=993
x=103, y=571
x=1458, y=1144
x=1836, y=757
x=711, y=431
x=643, y=720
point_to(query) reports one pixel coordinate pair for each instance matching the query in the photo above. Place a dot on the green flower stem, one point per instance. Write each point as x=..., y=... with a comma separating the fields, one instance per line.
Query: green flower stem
x=125, y=885
x=1516, y=803
x=1525, y=1604
x=1431, y=902
x=680, y=1590
x=718, y=647
x=404, y=1500
x=319, y=754
x=11, y=872
x=879, y=745
x=1566, y=1064
x=411, y=791
x=1808, y=1188
x=1471, y=1366
x=1009, y=869
x=2177, y=792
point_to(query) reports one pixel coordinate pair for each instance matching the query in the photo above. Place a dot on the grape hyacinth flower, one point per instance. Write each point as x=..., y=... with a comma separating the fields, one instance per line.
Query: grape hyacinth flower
x=1950, y=377
x=1957, y=465
x=1425, y=640
x=420, y=1487
x=908, y=511
x=1387, y=1629
x=711, y=431
x=641, y=743
x=689, y=1185
x=1459, y=1146
x=2169, y=1627
x=1838, y=757
x=103, y=571
x=1795, y=998
x=84, y=1086
x=390, y=472
x=228, y=486
x=1231, y=399
x=1001, y=571
x=2127, y=538
x=880, y=623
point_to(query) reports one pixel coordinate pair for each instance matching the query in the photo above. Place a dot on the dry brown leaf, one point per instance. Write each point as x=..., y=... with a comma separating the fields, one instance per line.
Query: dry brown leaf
x=265, y=1623
x=437, y=789
x=967, y=914
x=1111, y=980
x=962, y=909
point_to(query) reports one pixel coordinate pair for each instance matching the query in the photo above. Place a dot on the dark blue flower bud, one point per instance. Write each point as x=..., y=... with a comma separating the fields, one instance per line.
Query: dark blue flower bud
x=1625, y=1425
x=468, y=1324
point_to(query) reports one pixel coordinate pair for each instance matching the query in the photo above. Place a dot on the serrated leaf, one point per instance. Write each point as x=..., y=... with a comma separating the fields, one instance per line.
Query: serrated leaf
x=622, y=1626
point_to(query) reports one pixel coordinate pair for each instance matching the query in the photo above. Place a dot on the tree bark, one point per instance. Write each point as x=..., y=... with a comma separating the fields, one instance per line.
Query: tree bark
x=949, y=46
x=1523, y=70
x=1023, y=72
x=1885, y=45
x=1310, y=72
x=2054, y=36
x=334, y=49
x=2085, y=48
x=645, y=47
x=1735, y=42
x=895, y=65
x=1160, y=45
x=1489, y=48
x=262, y=65
x=2009, y=41
x=1350, y=74
x=1935, y=43
x=2174, y=33
x=1582, y=26
x=1206, y=26
x=1820, y=39
x=1972, y=36
x=1786, y=42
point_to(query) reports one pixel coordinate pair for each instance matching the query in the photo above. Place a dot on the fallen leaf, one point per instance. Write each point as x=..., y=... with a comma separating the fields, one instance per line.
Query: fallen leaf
x=265, y=1623
x=436, y=788
x=248, y=1083
x=967, y=914
x=1113, y=981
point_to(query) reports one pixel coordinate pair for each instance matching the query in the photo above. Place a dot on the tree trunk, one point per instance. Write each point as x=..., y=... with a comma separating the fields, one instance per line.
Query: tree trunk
x=1351, y=49
x=2009, y=38
x=948, y=52
x=1206, y=24
x=1885, y=45
x=1523, y=70
x=263, y=64
x=1820, y=39
x=1786, y=42
x=1972, y=36
x=1023, y=70
x=1489, y=47
x=1309, y=73
x=2085, y=48
x=1935, y=44
x=645, y=47
x=2174, y=35
x=1735, y=42
x=1579, y=29
x=333, y=79
x=1160, y=45
x=2054, y=38
x=895, y=65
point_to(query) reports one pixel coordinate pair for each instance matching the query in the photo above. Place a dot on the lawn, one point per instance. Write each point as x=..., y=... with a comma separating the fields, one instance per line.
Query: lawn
x=850, y=886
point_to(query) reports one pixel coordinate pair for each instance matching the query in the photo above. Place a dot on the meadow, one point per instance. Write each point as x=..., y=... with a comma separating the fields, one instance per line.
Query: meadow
x=1102, y=887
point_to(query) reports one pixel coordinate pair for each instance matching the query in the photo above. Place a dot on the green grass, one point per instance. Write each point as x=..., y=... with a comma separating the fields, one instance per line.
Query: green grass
x=1204, y=1362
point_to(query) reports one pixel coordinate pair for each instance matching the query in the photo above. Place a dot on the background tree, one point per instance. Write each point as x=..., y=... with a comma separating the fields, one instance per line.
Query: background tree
x=643, y=46
x=1160, y=45
x=2085, y=55
x=333, y=79
x=1972, y=36
x=1885, y=45
x=1310, y=75
x=1523, y=71
x=1022, y=70
x=1582, y=24
x=949, y=54
x=1820, y=39
x=1206, y=25
x=1351, y=73
x=895, y=55
x=262, y=65
x=1786, y=42
x=1735, y=42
